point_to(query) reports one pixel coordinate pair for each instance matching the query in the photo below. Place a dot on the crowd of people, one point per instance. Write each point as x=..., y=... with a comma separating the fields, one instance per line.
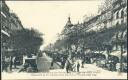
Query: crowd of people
x=69, y=61
x=9, y=63
x=72, y=65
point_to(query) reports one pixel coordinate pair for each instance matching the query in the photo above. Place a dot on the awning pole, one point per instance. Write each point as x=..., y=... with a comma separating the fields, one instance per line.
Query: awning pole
x=121, y=58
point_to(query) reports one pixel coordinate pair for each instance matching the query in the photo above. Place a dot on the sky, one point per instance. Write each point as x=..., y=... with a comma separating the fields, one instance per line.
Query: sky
x=50, y=17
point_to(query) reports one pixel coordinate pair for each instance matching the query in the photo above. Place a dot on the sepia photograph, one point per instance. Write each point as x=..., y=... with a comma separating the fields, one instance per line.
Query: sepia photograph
x=63, y=39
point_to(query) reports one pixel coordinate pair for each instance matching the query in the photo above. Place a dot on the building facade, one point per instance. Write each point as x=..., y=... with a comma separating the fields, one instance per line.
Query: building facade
x=119, y=12
x=9, y=24
x=120, y=19
x=5, y=32
x=116, y=18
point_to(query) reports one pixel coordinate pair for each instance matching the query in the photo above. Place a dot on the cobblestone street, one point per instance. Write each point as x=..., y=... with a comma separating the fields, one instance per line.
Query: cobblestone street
x=89, y=71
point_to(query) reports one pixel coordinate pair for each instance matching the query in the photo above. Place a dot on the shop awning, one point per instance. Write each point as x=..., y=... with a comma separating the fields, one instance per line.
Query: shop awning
x=8, y=50
x=120, y=11
x=125, y=54
x=4, y=32
x=3, y=14
x=105, y=53
x=114, y=37
x=124, y=33
x=116, y=53
x=116, y=13
x=96, y=52
x=33, y=57
x=120, y=34
x=125, y=10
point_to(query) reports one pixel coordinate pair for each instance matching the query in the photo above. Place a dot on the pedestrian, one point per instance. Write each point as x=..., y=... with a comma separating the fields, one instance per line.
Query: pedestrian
x=7, y=63
x=83, y=64
x=78, y=67
x=52, y=63
x=3, y=65
x=63, y=63
x=14, y=62
x=68, y=65
x=74, y=66
x=118, y=67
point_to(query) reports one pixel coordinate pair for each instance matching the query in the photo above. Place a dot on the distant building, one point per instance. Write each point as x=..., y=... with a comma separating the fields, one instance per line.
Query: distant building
x=90, y=24
x=69, y=23
x=67, y=27
x=100, y=21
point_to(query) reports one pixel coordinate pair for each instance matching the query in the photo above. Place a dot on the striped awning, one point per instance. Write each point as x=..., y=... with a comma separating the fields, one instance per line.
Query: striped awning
x=104, y=52
x=115, y=14
x=124, y=33
x=125, y=10
x=4, y=32
x=8, y=50
x=120, y=11
x=125, y=54
x=120, y=34
x=3, y=14
x=114, y=37
x=116, y=53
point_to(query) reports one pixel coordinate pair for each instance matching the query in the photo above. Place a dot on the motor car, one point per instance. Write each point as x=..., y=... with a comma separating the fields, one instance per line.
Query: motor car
x=101, y=62
x=112, y=62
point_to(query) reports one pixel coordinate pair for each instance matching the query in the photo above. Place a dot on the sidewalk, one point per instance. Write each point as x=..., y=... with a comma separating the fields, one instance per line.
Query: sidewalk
x=91, y=69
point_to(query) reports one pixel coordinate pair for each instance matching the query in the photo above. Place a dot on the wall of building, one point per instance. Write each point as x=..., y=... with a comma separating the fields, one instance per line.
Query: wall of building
x=9, y=24
x=109, y=18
